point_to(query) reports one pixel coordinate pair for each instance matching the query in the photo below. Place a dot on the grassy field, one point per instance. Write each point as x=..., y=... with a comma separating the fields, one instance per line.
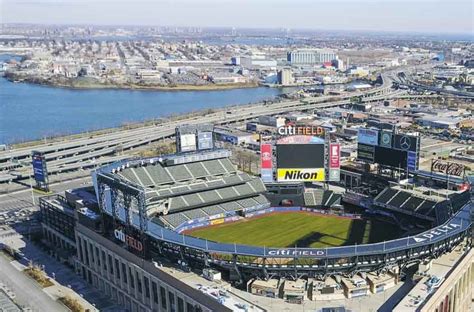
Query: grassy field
x=299, y=229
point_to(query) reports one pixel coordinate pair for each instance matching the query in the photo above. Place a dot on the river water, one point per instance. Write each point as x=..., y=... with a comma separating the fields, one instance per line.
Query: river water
x=29, y=111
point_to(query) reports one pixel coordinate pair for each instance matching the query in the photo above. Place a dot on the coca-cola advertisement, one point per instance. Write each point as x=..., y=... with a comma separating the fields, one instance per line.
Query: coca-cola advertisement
x=449, y=168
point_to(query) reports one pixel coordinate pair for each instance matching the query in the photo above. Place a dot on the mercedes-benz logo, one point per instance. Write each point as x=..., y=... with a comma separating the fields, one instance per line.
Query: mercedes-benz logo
x=405, y=143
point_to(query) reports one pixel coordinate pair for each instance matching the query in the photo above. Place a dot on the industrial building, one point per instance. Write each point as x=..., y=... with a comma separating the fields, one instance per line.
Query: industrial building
x=233, y=136
x=310, y=56
x=249, y=62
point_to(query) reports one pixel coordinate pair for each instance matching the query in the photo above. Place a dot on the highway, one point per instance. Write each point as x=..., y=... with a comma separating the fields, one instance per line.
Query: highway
x=404, y=78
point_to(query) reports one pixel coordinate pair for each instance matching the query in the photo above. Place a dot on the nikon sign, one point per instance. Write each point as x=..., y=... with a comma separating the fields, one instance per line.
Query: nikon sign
x=300, y=175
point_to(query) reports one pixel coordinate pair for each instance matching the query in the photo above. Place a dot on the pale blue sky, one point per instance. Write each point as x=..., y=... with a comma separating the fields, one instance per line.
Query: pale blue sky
x=448, y=16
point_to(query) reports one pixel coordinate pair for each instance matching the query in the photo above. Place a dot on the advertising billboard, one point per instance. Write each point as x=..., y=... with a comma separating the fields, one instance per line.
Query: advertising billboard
x=300, y=139
x=405, y=142
x=40, y=172
x=334, y=162
x=334, y=155
x=412, y=162
x=445, y=167
x=301, y=158
x=300, y=155
x=386, y=139
x=188, y=142
x=300, y=174
x=266, y=156
x=266, y=175
x=205, y=140
x=266, y=162
x=368, y=136
x=366, y=152
x=334, y=175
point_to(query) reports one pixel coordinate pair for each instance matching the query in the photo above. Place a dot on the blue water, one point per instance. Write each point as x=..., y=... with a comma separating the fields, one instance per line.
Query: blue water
x=29, y=111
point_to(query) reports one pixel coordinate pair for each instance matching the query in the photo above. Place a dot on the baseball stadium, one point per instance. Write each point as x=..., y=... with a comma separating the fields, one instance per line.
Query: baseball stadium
x=196, y=208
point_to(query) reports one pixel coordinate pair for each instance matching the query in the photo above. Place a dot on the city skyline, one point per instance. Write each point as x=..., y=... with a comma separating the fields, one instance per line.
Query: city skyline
x=421, y=16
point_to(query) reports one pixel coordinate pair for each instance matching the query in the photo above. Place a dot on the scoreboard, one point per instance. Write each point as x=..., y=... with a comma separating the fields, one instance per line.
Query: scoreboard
x=387, y=148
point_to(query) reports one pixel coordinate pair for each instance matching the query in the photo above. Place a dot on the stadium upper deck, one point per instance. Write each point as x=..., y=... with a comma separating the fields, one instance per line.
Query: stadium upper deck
x=435, y=206
x=180, y=189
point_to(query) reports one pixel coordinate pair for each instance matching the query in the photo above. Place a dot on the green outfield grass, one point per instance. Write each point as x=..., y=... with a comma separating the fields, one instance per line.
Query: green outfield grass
x=299, y=229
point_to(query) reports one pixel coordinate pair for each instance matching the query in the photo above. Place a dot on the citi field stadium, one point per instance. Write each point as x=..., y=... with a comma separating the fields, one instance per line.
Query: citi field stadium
x=300, y=224
x=159, y=200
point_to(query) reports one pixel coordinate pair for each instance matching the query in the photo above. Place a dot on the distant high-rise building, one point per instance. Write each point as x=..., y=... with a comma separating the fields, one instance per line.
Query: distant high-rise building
x=285, y=76
x=310, y=56
x=338, y=64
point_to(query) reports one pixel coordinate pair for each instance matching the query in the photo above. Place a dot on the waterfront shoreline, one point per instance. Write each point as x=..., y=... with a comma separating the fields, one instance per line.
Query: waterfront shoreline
x=74, y=84
x=127, y=126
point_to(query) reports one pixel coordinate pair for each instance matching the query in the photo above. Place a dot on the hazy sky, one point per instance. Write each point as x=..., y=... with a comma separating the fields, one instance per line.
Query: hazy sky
x=448, y=16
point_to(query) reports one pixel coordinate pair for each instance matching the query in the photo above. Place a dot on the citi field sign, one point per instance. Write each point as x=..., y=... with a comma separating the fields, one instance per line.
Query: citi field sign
x=300, y=252
x=300, y=175
x=300, y=130
x=128, y=240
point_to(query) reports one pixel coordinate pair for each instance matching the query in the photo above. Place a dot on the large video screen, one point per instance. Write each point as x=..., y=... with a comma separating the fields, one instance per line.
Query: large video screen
x=300, y=156
x=390, y=157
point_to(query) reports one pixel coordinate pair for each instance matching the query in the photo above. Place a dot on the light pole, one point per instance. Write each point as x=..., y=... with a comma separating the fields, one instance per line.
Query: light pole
x=32, y=192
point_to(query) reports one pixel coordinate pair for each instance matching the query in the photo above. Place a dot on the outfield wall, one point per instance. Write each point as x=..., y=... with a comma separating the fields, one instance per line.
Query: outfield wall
x=304, y=209
x=232, y=217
